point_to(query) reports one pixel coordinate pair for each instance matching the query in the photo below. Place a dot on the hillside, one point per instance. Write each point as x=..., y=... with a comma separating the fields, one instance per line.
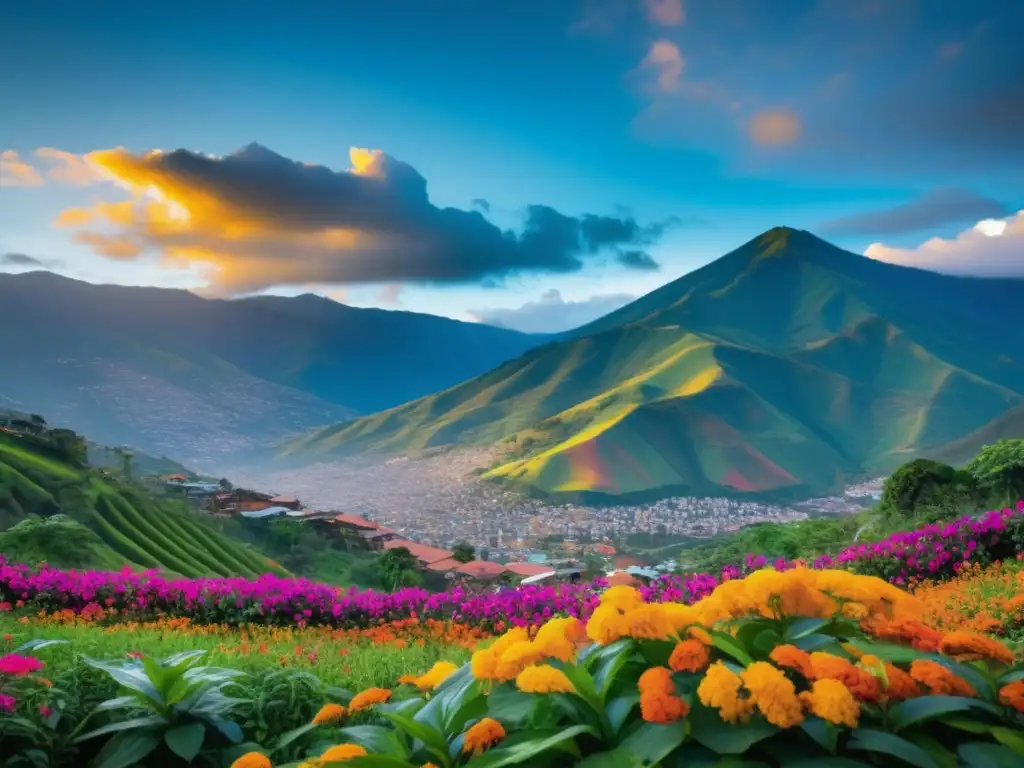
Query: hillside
x=173, y=374
x=132, y=528
x=785, y=368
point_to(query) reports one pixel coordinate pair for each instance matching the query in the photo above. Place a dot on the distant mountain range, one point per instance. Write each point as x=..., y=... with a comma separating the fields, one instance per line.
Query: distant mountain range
x=168, y=372
x=785, y=368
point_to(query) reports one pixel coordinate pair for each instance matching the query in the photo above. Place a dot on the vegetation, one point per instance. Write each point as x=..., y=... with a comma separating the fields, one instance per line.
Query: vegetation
x=59, y=541
x=463, y=552
x=398, y=568
x=699, y=389
x=142, y=531
x=999, y=469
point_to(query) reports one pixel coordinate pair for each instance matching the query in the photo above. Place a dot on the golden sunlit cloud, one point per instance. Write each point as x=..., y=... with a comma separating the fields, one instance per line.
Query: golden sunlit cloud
x=68, y=168
x=773, y=128
x=15, y=172
x=666, y=60
x=117, y=247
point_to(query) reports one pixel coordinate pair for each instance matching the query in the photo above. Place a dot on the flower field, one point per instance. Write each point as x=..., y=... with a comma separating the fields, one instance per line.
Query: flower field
x=902, y=652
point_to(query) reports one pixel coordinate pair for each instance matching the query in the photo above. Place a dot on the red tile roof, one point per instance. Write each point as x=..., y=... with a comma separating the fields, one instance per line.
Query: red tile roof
x=421, y=552
x=622, y=579
x=625, y=561
x=444, y=565
x=357, y=522
x=284, y=500
x=528, y=569
x=604, y=549
x=480, y=569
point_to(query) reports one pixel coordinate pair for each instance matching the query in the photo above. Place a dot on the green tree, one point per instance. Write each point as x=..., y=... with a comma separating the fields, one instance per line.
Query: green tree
x=924, y=482
x=69, y=445
x=999, y=470
x=463, y=552
x=398, y=568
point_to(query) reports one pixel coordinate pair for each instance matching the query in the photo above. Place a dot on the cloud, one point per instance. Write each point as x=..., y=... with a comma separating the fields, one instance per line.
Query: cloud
x=254, y=219
x=948, y=205
x=991, y=248
x=481, y=205
x=665, y=13
x=68, y=168
x=391, y=294
x=637, y=260
x=551, y=313
x=24, y=260
x=666, y=61
x=775, y=127
x=600, y=17
x=15, y=172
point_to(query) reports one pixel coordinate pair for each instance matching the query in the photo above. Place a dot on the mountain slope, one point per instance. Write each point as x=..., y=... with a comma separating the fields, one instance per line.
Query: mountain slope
x=786, y=367
x=133, y=527
x=175, y=374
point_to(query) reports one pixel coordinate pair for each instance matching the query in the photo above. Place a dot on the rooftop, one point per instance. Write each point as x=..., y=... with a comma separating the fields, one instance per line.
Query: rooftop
x=421, y=552
x=480, y=569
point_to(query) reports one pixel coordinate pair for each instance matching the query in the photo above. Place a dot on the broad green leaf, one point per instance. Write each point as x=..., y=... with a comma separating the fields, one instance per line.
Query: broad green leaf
x=616, y=758
x=38, y=644
x=185, y=658
x=654, y=741
x=618, y=709
x=448, y=699
x=232, y=731
x=584, y=685
x=1010, y=677
x=934, y=747
x=340, y=695
x=981, y=755
x=727, y=738
x=130, y=675
x=432, y=738
x=186, y=740
x=126, y=750
x=815, y=642
x=897, y=654
x=1008, y=737
x=823, y=732
x=127, y=702
x=376, y=739
x=828, y=762
x=139, y=723
x=929, y=707
x=802, y=627
x=288, y=737
x=370, y=761
x=965, y=724
x=606, y=669
x=727, y=644
x=890, y=744
x=509, y=706
x=656, y=652
x=526, y=750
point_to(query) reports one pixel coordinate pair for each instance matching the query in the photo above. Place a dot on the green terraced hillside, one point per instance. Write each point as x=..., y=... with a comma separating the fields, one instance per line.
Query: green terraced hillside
x=785, y=368
x=133, y=528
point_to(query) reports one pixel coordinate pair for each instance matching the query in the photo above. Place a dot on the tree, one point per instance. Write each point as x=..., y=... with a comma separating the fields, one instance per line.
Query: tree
x=225, y=484
x=923, y=482
x=485, y=554
x=69, y=445
x=398, y=568
x=999, y=469
x=463, y=552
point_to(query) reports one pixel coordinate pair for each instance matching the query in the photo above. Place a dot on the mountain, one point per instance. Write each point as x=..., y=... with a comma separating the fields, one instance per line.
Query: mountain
x=126, y=525
x=783, y=369
x=174, y=374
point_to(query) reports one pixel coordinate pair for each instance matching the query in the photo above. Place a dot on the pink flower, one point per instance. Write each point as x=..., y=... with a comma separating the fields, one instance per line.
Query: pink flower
x=18, y=666
x=7, y=703
x=45, y=711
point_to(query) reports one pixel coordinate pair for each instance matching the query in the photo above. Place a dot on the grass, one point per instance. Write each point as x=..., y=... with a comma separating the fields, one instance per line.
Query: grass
x=140, y=530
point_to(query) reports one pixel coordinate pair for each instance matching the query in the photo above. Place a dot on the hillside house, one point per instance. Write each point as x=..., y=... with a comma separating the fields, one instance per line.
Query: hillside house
x=286, y=501
x=424, y=555
x=480, y=570
x=527, y=570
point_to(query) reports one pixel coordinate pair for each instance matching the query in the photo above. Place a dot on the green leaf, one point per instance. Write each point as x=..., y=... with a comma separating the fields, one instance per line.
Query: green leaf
x=608, y=667
x=432, y=738
x=727, y=644
x=448, y=699
x=827, y=762
x=618, y=709
x=896, y=654
x=930, y=707
x=1008, y=737
x=509, y=706
x=131, y=676
x=372, y=761
x=38, y=644
x=584, y=685
x=232, y=731
x=823, y=732
x=1010, y=677
x=139, y=723
x=617, y=758
x=981, y=755
x=654, y=741
x=656, y=652
x=186, y=740
x=184, y=658
x=802, y=628
x=814, y=642
x=526, y=750
x=977, y=680
x=126, y=750
x=890, y=744
x=727, y=738
x=934, y=747
x=128, y=702
x=963, y=724
x=376, y=739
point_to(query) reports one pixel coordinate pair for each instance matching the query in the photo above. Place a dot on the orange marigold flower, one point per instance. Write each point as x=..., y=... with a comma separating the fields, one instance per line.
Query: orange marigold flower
x=483, y=735
x=773, y=693
x=1012, y=695
x=368, y=698
x=252, y=760
x=861, y=683
x=832, y=701
x=794, y=658
x=329, y=714
x=689, y=656
x=720, y=689
x=939, y=680
x=407, y=680
x=622, y=597
x=899, y=685
x=558, y=637
x=908, y=632
x=656, y=680
x=606, y=624
x=544, y=678
x=342, y=752
x=661, y=708
x=854, y=610
x=966, y=646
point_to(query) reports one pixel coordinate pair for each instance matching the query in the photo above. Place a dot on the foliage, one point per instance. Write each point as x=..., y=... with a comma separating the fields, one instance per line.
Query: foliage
x=463, y=552
x=999, y=467
x=58, y=540
x=398, y=568
x=920, y=482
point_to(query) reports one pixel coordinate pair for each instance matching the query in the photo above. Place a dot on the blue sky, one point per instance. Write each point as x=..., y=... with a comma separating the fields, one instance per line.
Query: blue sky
x=659, y=132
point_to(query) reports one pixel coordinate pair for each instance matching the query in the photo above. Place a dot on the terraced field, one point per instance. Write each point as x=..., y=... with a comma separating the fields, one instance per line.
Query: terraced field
x=139, y=530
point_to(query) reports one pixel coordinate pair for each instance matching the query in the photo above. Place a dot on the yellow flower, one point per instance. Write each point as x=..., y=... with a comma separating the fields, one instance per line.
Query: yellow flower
x=558, y=637
x=484, y=664
x=648, y=622
x=606, y=625
x=486, y=733
x=515, y=659
x=544, y=678
x=832, y=701
x=252, y=760
x=720, y=689
x=329, y=714
x=514, y=635
x=437, y=674
x=854, y=610
x=342, y=752
x=680, y=616
x=689, y=656
x=794, y=658
x=624, y=598
x=368, y=698
x=773, y=693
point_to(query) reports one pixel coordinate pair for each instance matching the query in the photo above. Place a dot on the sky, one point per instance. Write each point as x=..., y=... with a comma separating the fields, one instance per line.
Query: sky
x=533, y=164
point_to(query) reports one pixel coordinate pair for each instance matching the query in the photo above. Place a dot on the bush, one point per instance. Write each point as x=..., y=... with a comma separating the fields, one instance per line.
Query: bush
x=924, y=482
x=999, y=469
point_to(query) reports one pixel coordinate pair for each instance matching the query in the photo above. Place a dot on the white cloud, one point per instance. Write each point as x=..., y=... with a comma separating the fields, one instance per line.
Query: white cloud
x=665, y=13
x=991, y=248
x=551, y=313
x=15, y=172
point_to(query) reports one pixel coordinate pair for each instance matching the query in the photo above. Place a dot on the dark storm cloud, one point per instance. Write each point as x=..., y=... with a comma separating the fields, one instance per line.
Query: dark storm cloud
x=637, y=260
x=934, y=210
